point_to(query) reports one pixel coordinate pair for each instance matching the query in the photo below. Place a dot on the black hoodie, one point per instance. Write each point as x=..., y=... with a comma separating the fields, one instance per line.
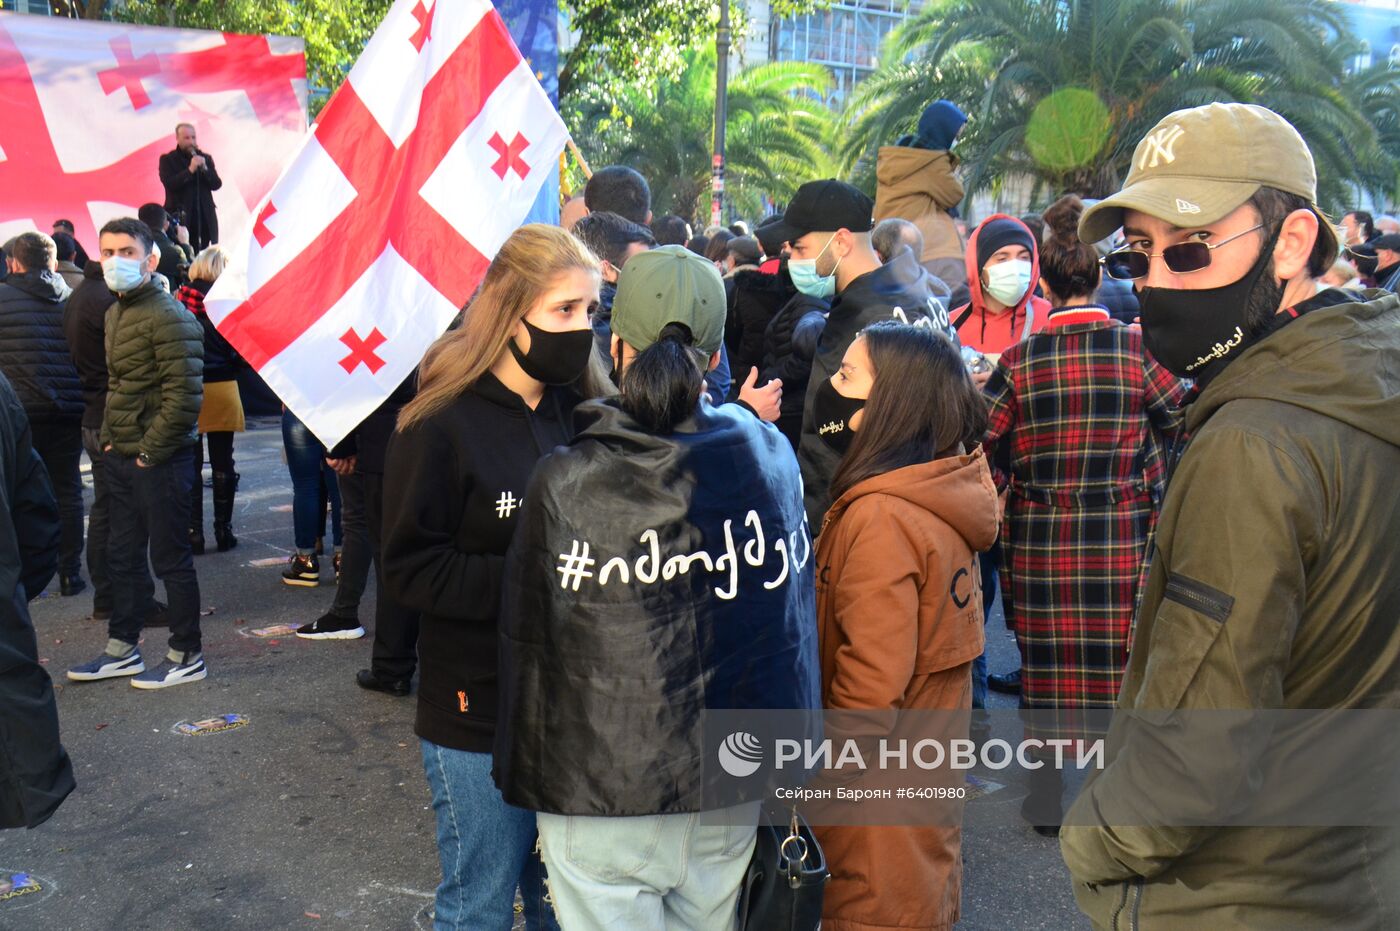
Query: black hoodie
x=452, y=491
x=901, y=290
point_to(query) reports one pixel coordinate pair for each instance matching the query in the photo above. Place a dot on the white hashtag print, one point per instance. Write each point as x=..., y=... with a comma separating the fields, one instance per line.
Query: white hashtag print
x=575, y=566
x=506, y=503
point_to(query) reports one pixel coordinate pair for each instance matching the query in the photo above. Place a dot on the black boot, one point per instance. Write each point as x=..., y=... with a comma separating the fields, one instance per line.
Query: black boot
x=1042, y=806
x=225, y=485
x=197, y=511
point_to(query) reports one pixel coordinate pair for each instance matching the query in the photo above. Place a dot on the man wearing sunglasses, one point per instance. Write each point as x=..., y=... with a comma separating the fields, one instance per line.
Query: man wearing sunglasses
x=1275, y=577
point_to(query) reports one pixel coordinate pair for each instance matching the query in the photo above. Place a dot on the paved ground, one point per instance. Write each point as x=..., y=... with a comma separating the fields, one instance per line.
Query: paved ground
x=313, y=814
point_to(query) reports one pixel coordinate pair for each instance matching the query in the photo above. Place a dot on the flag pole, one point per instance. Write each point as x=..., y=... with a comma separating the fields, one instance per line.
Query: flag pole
x=583, y=163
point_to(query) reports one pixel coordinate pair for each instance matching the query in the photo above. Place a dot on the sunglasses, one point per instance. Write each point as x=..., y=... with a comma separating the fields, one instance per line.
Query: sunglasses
x=1130, y=264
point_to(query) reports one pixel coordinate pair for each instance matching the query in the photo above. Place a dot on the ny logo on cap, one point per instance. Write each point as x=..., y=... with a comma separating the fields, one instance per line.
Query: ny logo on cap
x=1161, y=146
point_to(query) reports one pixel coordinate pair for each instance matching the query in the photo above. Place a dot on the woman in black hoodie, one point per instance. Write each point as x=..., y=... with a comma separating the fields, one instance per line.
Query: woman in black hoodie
x=494, y=396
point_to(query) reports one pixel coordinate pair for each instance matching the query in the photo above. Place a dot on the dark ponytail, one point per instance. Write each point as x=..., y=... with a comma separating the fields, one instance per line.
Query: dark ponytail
x=662, y=385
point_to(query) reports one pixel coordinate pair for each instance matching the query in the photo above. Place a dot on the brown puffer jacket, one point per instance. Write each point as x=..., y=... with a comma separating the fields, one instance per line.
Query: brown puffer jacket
x=899, y=615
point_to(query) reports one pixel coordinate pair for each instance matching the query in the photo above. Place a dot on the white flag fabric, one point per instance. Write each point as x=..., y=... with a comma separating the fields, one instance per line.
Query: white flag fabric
x=382, y=225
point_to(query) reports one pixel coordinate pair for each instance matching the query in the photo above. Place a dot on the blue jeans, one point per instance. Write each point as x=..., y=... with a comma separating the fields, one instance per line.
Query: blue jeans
x=486, y=848
x=989, y=561
x=306, y=461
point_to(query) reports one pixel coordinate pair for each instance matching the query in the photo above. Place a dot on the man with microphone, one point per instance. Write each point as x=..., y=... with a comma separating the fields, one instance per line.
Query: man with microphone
x=190, y=182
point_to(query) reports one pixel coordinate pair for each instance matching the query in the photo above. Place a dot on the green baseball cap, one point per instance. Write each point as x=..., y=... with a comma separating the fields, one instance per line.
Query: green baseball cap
x=669, y=284
x=1198, y=165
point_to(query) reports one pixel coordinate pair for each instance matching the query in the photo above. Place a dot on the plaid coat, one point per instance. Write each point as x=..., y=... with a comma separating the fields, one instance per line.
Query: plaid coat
x=1083, y=416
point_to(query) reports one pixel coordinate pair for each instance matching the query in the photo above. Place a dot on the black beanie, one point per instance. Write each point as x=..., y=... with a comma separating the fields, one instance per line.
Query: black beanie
x=1000, y=233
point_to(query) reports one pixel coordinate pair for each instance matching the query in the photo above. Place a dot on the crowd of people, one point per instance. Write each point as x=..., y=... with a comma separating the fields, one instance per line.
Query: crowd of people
x=649, y=472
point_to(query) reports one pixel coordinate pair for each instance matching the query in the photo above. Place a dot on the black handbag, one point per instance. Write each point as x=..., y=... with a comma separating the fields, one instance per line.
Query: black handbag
x=787, y=876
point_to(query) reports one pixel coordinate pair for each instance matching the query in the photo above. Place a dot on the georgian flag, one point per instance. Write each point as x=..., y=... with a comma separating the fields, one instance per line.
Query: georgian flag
x=87, y=109
x=424, y=162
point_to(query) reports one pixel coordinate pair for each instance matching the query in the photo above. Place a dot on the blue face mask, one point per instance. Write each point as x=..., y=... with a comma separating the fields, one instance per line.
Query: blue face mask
x=123, y=274
x=805, y=277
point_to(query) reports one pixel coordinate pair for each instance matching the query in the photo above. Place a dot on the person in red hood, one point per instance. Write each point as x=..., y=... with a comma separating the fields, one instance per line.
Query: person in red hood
x=1003, y=265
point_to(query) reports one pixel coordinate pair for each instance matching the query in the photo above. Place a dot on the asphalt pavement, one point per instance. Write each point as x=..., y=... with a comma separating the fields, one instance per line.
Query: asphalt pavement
x=300, y=801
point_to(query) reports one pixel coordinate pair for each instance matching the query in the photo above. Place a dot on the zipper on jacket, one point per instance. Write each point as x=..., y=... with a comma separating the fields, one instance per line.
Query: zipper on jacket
x=1118, y=909
x=1199, y=597
x=1131, y=903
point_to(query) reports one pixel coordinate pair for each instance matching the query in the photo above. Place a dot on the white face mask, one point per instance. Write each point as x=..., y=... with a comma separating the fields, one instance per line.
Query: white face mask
x=123, y=274
x=1008, y=282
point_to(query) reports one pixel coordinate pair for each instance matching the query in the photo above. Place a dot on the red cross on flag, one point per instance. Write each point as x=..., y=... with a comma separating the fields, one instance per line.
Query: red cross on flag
x=427, y=158
x=88, y=108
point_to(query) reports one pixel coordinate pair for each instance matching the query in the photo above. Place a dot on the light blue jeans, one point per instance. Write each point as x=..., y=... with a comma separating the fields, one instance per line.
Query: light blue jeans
x=486, y=848
x=649, y=873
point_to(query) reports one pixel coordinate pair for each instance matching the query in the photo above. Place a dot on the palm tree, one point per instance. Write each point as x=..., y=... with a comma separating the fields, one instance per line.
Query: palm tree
x=1061, y=91
x=777, y=132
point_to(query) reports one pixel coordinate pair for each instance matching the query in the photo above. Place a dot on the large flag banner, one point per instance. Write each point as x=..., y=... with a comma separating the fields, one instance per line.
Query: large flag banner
x=422, y=164
x=88, y=108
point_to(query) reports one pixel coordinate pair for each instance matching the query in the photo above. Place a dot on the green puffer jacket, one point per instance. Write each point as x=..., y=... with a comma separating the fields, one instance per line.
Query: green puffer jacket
x=1275, y=584
x=155, y=374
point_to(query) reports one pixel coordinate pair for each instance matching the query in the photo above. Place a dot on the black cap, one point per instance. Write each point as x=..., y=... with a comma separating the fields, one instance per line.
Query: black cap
x=1390, y=242
x=765, y=231
x=825, y=206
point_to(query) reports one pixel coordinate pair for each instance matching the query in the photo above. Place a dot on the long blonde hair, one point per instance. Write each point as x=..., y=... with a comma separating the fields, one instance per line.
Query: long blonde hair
x=527, y=265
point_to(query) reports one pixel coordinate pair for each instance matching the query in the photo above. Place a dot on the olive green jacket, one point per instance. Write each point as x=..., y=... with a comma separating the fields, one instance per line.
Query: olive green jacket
x=1275, y=584
x=155, y=374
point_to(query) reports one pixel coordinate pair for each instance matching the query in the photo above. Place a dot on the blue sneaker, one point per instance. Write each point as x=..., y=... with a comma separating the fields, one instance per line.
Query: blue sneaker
x=190, y=668
x=108, y=666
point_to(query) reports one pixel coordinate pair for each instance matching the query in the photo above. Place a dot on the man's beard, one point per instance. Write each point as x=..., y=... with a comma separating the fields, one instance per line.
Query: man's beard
x=1264, y=303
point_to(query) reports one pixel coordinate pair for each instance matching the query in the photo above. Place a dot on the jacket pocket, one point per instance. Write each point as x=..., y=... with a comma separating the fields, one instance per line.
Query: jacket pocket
x=609, y=850
x=1188, y=621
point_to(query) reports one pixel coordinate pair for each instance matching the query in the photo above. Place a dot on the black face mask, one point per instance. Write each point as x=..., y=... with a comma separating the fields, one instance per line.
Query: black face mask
x=1195, y=334
x=833, y=412
x=554, y=358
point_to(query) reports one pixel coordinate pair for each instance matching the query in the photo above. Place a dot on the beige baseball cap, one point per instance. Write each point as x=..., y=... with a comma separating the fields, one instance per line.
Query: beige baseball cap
x=1198, y=165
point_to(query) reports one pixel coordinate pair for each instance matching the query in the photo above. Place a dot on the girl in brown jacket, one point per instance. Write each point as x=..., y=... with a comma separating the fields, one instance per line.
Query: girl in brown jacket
x=899, y=604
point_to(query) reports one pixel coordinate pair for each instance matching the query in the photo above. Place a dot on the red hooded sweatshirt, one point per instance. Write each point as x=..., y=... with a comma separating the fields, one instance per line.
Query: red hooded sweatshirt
x=993, y=333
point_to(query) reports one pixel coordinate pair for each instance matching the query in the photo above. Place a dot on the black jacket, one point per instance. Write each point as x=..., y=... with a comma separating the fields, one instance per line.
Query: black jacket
x=33, y=350
x=191, y=195
x=35, y=774
x=1388, y=278
x=756, y=298
x=677, y=540
x=84, y=325
x=899, y=290
x=1119, y=299
x=221, y=360
x=174, y=263
x=789, y=344
x=452, y=490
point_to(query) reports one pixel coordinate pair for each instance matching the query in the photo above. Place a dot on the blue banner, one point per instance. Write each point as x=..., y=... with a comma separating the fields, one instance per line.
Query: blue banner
x=534, y=25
